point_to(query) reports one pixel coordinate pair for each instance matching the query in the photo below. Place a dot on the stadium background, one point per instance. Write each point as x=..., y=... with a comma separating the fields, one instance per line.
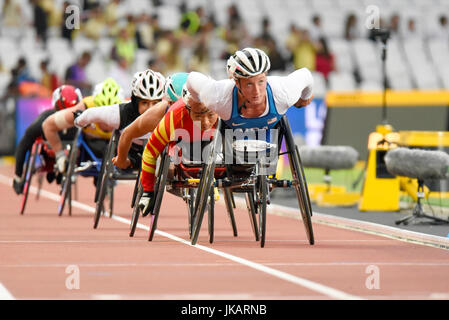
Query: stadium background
x=331, y=38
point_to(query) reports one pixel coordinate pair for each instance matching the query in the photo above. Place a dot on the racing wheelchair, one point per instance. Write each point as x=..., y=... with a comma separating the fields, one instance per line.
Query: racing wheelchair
x=256, y=178
x=109, y=174
x=40, y=161
x=85, y=160
x=178, y=172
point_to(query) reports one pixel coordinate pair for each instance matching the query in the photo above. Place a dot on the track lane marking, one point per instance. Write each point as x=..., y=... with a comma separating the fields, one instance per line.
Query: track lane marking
x=311, y=285
x=5, y=294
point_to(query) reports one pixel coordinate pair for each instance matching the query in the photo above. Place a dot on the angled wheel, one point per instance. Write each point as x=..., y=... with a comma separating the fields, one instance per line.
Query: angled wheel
x=160, y=188
x=66, y=188
x=299, y=181
x=230, y=209
x=251, y=206
x=104, y=183
x=205, y=185
x=210, y=215
x=29, y=172
x=136, y=209
x=262, y=191
x=191, y=209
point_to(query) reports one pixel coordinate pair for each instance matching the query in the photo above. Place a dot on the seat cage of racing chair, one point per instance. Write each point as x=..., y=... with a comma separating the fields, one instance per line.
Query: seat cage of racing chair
x=90, y=168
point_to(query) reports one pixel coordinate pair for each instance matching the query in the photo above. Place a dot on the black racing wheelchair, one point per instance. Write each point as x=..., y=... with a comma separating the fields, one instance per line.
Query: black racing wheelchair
x=235, y=165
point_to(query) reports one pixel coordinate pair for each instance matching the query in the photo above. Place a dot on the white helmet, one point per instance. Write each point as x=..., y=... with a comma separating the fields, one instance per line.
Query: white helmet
x=247, y=63
x=148, y=85
x=185, y=94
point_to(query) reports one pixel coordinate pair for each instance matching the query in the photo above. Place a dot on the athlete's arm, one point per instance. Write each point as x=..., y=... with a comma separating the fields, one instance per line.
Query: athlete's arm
x=145, y=123
x=59, y=121
x=107, y=116
x=213, y=94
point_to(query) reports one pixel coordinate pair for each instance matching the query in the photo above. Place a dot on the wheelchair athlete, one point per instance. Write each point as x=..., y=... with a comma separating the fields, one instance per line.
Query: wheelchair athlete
x=146, y=122
x=66, y=96
x=147, y=91
x=107, y=92
x=179, y=116
x=250, y=98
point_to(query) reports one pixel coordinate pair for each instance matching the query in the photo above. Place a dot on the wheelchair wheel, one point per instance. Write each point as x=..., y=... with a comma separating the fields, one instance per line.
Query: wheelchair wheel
x=136, y=209
x=299, y=181
x=136, y=189
x=40, y=182
x=105, y=189
x=160, y=188
x=205, y=186
x=251, y=206
x=108, y=155
x=66, y=188
x=230, y=209
x=210, y=214
x=29, y=172
x=191, y=209
x=262, y=191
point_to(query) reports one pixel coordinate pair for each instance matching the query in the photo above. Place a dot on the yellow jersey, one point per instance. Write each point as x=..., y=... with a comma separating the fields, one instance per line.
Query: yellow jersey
x=94, y=131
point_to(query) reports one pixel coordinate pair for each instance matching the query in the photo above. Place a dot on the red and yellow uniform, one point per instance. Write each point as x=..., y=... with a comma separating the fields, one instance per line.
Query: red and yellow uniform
x=177, y=117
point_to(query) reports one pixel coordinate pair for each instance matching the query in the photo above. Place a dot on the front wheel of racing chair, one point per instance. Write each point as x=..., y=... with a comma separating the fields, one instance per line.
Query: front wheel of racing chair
x=30, y=169
x=299, y=179
x=137, y=194
x=205, y=187
x=105, y=185
x=159, y=187
x=66, y=184
x=230, y=205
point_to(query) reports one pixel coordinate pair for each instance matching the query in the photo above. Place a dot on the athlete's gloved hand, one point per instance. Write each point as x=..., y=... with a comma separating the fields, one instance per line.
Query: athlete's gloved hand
x=146, y=203
x=76, y=119
x=61, y=161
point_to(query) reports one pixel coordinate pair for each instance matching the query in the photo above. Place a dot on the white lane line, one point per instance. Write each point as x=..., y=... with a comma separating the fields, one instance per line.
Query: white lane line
x=314, y=286
x=5, y=294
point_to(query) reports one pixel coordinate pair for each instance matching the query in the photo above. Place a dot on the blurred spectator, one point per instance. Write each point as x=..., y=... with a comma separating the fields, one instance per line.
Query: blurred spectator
x=191, y=20
x=49, y=79
x=235, y=33
x=200, y=58
x=66, y=32
x=89, y=4
x=144, y=32
x=11, y=14
x=316, y=31
x=266, y=36
x=411, y=32
x=394, y=26
x=167, y=49
x=304, y=54
x=267, y=43
x=111, y=13
x=94, y=27
x=443, y=28
x=124, y=47
x=19, y=74
x=371, y=34
x=324, y=58
x=293, y=38
x=76, y=75
x=40, y=21
x=120, y=73
x=351, y=31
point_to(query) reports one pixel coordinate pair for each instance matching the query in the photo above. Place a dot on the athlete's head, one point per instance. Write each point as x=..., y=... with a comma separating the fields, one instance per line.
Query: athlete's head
x=249, y=67
x=107, y=93
x=198, y=111
x=147, y=89
x=66, y=96
x=174, y=84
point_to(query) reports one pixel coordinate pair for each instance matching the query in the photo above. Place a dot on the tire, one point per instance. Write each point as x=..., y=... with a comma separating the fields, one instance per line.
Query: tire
x=230, y=209
x=205, y=185
x=251, y=206
x=29, y=172
x=210, y=214
x=104, y=189
x=191, y=210
x=299, y=180
x=160, y=188
x=136, y=209
x=66, y=188
x=262, y=206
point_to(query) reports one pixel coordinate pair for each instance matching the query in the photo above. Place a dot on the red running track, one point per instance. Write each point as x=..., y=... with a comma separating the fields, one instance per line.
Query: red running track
x=44, y=256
